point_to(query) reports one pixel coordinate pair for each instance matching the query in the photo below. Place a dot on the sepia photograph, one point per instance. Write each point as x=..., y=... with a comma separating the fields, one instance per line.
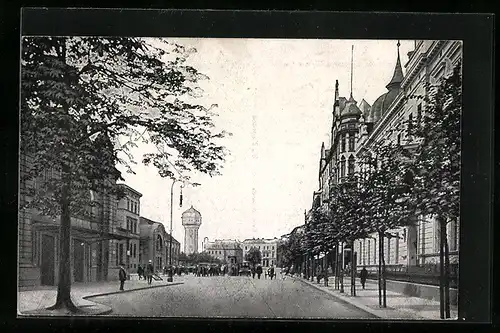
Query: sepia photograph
x=239, y=178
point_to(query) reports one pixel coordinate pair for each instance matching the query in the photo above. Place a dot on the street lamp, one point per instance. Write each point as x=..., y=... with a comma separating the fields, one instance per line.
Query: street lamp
x=170, y=273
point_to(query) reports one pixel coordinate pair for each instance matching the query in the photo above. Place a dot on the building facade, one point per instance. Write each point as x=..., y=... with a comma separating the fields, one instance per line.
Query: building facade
x=357, y=127
x=128, y=218
x=191, y=220
x=94, y=231
x=155, y=245
x=417, y=244
x=226, y=250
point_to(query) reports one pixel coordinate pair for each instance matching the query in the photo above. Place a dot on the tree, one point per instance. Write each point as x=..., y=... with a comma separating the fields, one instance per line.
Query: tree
x=436, y=190
x=385, y=204
x=81, y=96
x=253, y=256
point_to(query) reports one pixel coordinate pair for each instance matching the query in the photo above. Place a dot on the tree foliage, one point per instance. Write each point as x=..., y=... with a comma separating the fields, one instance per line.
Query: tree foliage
x=86, y=100
x=81, y=97
x=437, y=158
x=253, y=256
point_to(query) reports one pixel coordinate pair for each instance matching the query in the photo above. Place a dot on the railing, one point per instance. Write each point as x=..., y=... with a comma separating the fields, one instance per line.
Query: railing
x=426, y=274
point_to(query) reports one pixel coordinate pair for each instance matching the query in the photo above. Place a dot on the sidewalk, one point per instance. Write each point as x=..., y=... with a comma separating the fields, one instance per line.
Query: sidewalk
x=399, y=306
x=34, y=301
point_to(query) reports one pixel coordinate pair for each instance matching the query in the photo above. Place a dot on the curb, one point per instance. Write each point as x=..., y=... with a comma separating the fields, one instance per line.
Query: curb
x=359, y=306
x=106, y=311
x=130, y=290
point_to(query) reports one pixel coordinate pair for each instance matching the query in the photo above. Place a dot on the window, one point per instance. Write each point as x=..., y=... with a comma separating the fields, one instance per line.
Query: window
x=245, y=248
x=135, y=250
x=388, y=250
x=410, y=123
x=273, y=247
x=342, y=143
x=159, y=243
x=128, y=204
x=397, y=248
x=351, y=141
x=399, y=139
x=419, y=114
x=121, y=254
x=117, y=254
x=368, y=253
x=342, y=167
x=437, y=231
x=350, y=167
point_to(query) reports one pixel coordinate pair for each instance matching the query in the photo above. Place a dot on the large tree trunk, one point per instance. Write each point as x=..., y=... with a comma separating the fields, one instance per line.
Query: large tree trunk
x=441, y=271
x=379, y=270
x=384, y=280
x=63, y=300
x=447, y=276
x=341, y=263
x=353, y=271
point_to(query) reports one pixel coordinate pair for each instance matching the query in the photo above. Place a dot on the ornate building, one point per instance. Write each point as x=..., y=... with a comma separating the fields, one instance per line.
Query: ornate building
x=356, y=127
x=191, y=220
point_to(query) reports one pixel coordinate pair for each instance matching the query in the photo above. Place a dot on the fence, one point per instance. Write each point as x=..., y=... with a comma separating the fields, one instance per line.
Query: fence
x=426, y=274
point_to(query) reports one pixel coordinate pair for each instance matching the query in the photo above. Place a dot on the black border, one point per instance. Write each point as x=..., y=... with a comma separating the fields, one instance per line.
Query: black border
x=476, y=32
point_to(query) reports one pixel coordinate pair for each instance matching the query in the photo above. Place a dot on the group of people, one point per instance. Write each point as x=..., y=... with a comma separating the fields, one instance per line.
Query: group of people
x=205, y=270
x=258, y=270
x=146, y=273
x=363, y=274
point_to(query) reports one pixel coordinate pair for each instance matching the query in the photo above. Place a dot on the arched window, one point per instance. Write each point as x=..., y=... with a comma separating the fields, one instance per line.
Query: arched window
x=351, y=141
x=350, y=166
x=159, y=243
x=342, y=167
x=342, y=148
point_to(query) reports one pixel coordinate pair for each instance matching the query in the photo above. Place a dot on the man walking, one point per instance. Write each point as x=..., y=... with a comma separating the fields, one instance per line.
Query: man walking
x=150, y=271
x=122, y=275
x=259, y=271
x=362, y=276
x=271, y=272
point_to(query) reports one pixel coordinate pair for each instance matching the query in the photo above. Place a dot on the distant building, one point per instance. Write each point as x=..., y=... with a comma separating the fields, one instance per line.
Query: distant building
x=191, y=220
x=155, y=244
x=267, y=247
x=227, y=251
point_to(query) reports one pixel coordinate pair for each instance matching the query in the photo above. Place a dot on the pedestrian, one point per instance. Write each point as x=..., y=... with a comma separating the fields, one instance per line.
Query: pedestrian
x=253, y=272
x=150, y=271
x=259, y=271
x=122, y=275
x=362, y=276
x=140, y=271
x=271, y=272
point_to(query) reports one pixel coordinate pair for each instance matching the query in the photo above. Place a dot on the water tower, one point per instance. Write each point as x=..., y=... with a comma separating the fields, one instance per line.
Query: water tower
x=191, y=220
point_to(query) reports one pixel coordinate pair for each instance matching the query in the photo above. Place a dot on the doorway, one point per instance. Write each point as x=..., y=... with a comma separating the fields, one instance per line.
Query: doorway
x=78, y=260
x=48, y=260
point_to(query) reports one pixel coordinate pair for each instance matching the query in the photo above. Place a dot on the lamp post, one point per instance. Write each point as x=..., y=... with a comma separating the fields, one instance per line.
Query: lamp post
x=170, y=273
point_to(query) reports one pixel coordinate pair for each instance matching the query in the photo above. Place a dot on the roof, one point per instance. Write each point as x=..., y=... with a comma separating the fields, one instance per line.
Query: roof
x=397, y=76
x=130, y=189
x=383, y=102
x=350, y=108
x=365, y=108
x=192, y=210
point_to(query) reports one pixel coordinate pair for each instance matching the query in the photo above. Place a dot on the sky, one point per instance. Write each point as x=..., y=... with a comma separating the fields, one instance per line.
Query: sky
x=275, y=97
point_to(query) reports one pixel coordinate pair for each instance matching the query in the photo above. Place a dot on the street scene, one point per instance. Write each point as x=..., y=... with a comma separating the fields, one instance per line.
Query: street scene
x=239, y=178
